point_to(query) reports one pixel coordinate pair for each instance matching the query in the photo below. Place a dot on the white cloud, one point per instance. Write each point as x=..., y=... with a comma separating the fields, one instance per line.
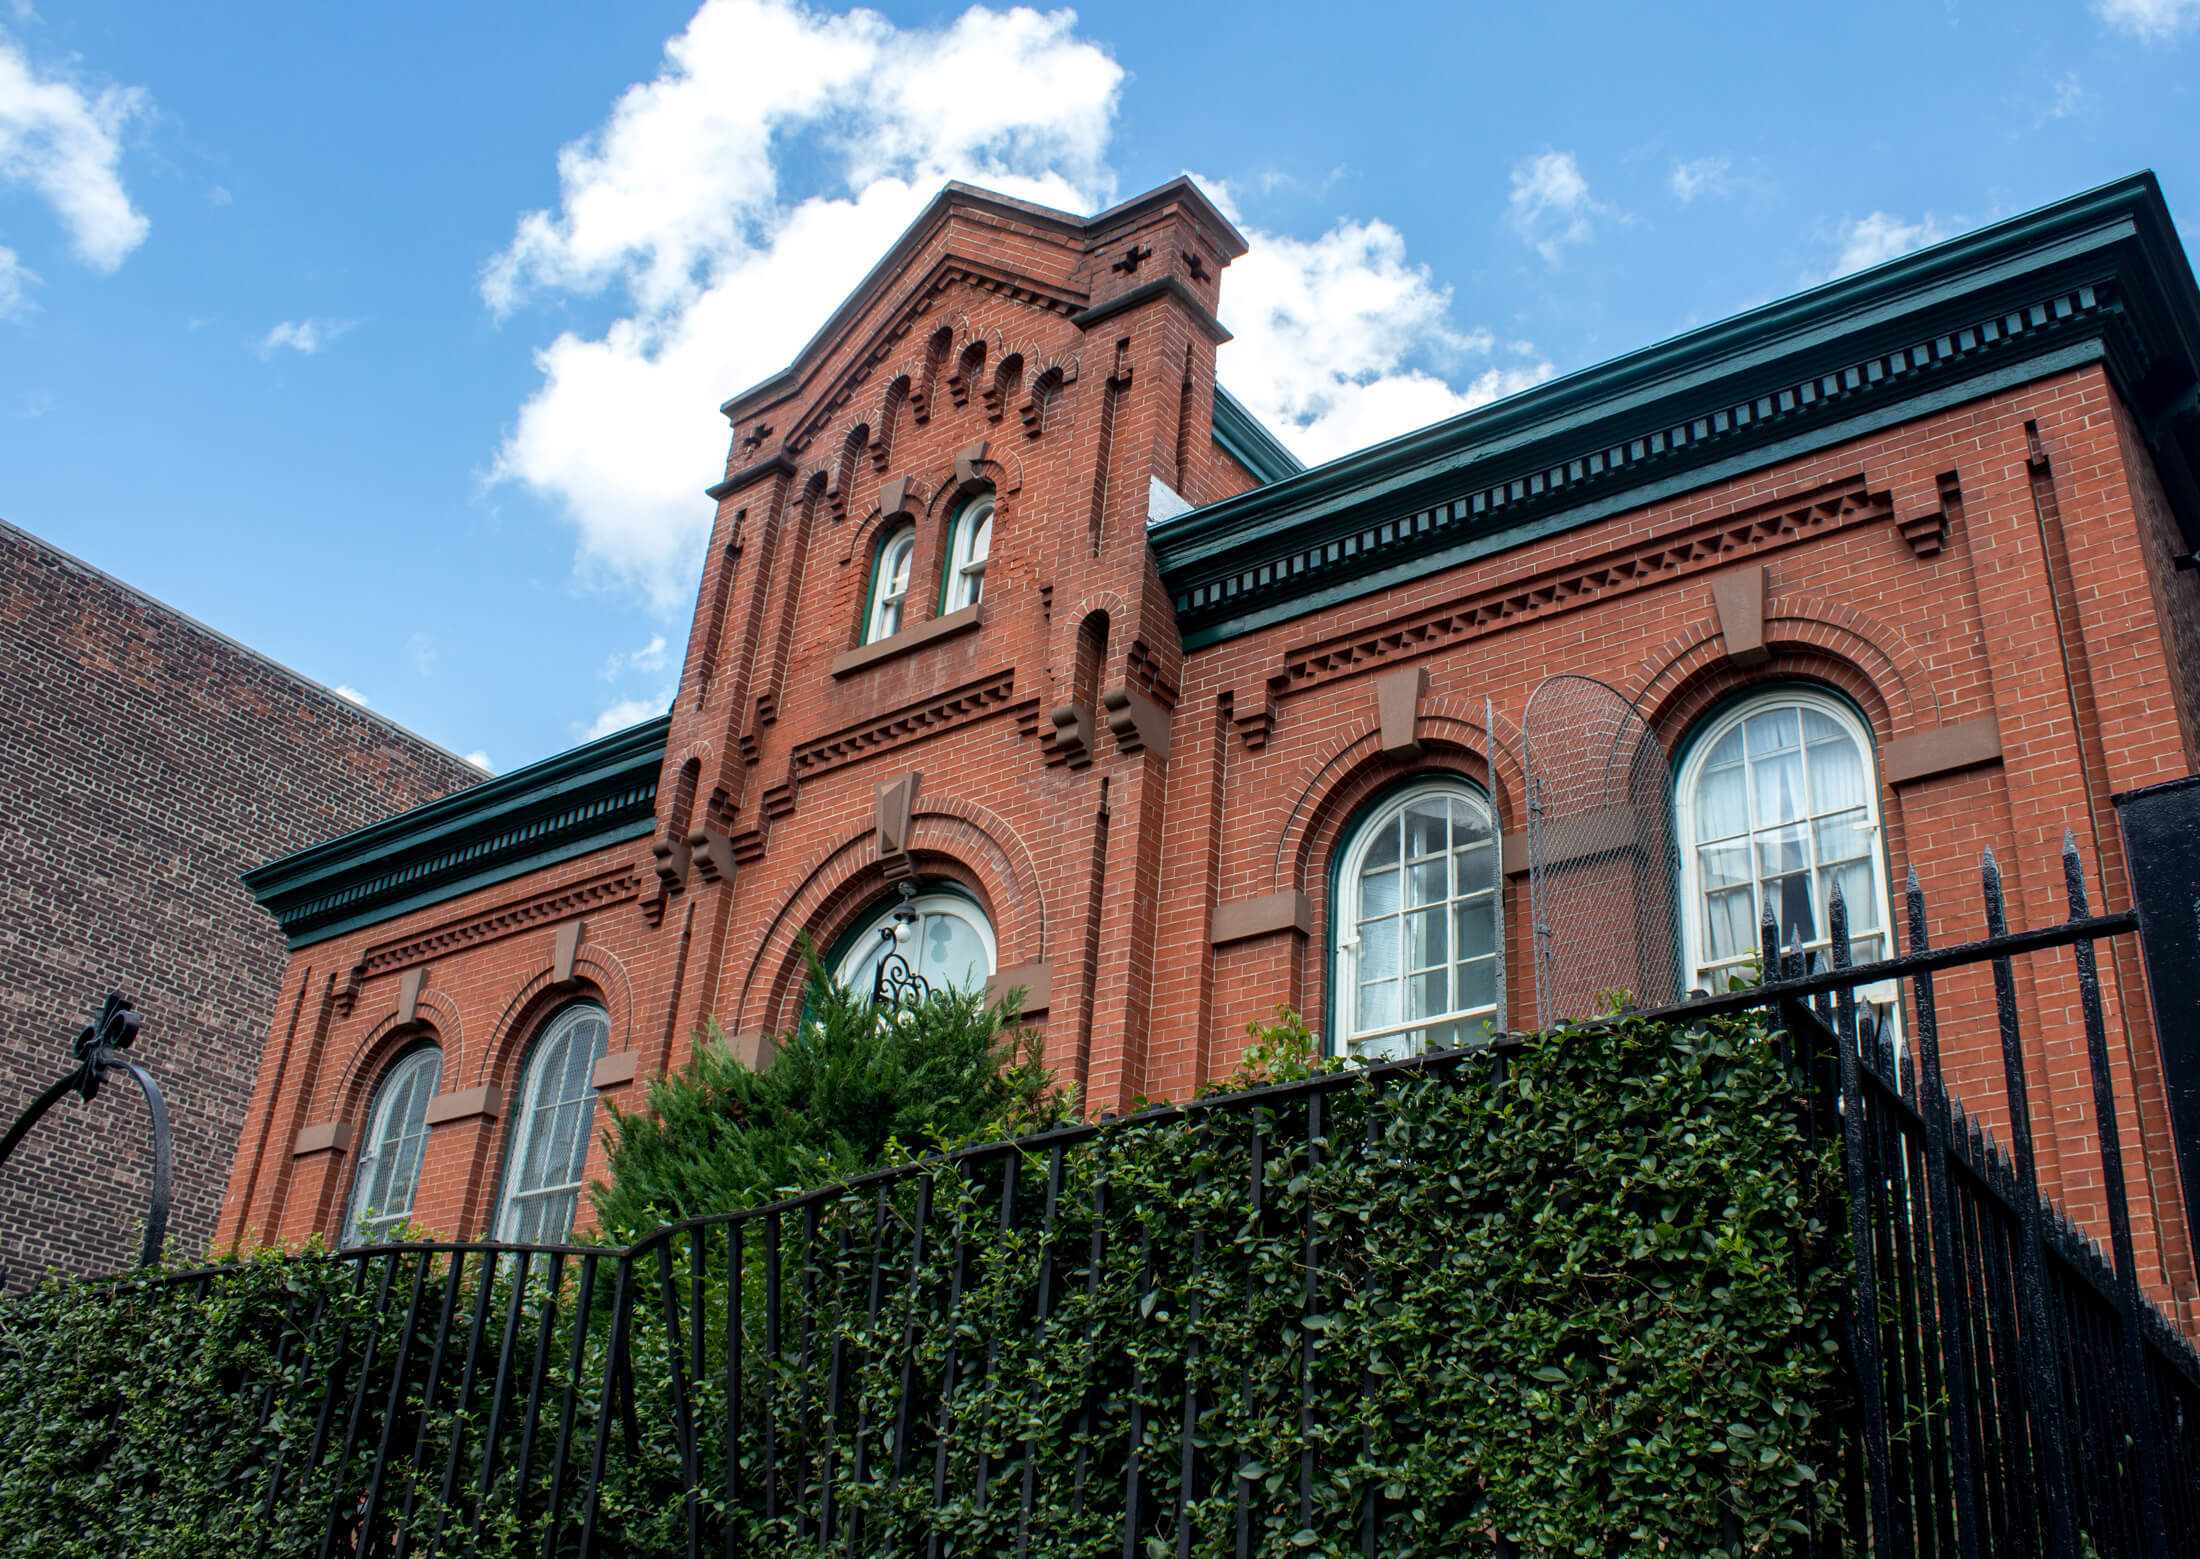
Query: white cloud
x=352, y=693
x=1875, y=239
x=650, y=657
x=303, y=336
x=16, y=280
x=629, y=711
x=1703, y=176
x=1341, y=342
x=1550, y=205
x=480, y=760
x=66, y=145
x=219, y=196
x=2150, y=21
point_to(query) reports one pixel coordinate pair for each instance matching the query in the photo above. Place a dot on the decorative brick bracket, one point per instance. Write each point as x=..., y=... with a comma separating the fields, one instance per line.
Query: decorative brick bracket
x=896, y=800
x=1927, y=531
x=1073, y=734
x=1140, y=723
x=1398, y=696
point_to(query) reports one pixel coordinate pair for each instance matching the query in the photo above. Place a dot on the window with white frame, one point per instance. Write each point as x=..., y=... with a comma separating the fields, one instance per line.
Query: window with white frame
x=552, y=1123
x=1778, y=802
x=389, y=1160
x=949, y=943
x=1418, y=923
x=967, y=551
x=890, y=585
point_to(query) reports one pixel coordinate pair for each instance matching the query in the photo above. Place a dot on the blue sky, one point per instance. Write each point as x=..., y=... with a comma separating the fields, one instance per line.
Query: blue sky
x=389, y=340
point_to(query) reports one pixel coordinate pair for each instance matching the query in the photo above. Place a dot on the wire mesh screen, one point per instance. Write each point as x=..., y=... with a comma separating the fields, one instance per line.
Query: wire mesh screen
x=1604, y=869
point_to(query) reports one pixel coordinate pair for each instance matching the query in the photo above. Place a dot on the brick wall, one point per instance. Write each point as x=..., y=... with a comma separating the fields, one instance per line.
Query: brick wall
x=148, y=761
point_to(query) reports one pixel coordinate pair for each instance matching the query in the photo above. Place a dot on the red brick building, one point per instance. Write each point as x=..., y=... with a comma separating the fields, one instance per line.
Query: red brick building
x=148, y=761
x=1006, y=601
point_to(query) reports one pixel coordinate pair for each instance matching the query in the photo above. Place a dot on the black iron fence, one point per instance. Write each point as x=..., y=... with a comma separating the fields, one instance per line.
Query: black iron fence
x=814, y=1364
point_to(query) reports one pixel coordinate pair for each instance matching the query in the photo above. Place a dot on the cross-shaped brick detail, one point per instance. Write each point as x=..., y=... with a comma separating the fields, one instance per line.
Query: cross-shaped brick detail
x=757, y=435
x=1131, y=258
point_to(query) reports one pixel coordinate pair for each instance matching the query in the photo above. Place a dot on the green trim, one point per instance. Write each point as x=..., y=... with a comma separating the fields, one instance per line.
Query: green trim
x=1239, y=434
x=2098, y=278
x=556, y=810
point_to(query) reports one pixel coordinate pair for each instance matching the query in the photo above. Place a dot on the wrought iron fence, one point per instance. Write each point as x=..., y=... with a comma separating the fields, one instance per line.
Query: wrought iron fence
x=812, y=1362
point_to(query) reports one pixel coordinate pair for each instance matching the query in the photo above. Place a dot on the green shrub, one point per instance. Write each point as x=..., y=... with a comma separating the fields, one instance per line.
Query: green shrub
x=847, y=1088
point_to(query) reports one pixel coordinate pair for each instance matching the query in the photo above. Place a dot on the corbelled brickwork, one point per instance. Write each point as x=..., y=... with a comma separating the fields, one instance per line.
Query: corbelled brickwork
x=1973, y=546
x=147, y=762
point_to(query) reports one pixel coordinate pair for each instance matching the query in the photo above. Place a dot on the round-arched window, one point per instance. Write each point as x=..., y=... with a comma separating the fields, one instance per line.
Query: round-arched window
x=887, y=607
x=553, y=1120
x=388, y=1174
x=1777, y=804
x=968, y=549
x=1417, y=926
x=950, y=943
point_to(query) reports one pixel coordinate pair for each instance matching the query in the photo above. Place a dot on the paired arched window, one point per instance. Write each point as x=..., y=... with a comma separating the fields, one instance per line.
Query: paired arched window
x=970, y=542
x=950, y=943
x=1417, y=923
x=388, y=1174
x=1777, y=803
x=889, y=597
x=553, y=1120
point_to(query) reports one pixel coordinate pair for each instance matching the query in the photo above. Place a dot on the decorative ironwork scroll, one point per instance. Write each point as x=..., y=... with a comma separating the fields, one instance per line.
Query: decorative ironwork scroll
x=894, y=981
x=100, y=1049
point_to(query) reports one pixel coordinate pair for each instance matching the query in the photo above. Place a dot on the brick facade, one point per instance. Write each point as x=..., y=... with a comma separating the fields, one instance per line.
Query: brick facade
x=149, y=761
x=1146, y=792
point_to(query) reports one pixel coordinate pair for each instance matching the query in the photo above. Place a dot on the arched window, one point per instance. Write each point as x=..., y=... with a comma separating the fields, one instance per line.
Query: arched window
x=1777, y=803
x=969, y=544
x=889, y=584
x=389, y=1159
x=1417, y=923
x=949, y=944
x=553, y=1120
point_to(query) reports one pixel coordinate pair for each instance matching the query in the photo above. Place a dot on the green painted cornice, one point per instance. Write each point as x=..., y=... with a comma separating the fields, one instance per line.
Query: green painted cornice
x=1240, y=435
x=563, y=807
x=2100, y=277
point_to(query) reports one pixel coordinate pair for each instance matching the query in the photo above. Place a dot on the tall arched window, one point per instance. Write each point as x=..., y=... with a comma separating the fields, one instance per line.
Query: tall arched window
x=889, y=584
x=553, y=1120
x=950, y=943
x=1778, y=802
x=389, y=1160
x=1417, y=924
x=969, y=545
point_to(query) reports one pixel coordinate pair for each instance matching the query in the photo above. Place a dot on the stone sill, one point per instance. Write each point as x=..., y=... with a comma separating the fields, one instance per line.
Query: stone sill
x=930, y=632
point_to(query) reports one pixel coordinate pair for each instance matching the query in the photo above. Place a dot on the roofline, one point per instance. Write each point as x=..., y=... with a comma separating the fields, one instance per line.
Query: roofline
x=367, y=713
x=956, y=194
x=2122, y=229
x=1246, y=439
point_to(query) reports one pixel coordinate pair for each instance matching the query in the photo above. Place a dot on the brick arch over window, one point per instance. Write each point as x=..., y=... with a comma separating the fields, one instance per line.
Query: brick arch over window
x=598, y=976
x=435, y=1019
x=1352, y=767
x=949, y=836
x=1806, y=636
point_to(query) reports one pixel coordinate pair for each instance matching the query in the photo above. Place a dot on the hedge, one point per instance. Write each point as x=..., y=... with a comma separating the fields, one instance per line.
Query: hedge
x=1589, y=1308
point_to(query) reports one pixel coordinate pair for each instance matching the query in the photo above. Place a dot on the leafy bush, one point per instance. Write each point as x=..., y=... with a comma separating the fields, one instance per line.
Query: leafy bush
x=1575, y=1292
x=848, y=1087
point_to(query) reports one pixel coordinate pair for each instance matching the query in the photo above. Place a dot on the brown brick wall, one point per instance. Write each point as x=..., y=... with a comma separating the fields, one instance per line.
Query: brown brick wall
x=148, y=761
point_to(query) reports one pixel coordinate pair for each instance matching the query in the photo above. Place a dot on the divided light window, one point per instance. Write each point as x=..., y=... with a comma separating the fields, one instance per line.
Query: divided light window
x=1417, y=924
x=890, y=585
x=967, y=552
x=389, y=1160
x=552, y=1128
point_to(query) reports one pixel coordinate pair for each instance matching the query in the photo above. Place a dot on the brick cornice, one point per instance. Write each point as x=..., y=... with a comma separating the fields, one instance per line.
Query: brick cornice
x=927, y=717
x=614, y=886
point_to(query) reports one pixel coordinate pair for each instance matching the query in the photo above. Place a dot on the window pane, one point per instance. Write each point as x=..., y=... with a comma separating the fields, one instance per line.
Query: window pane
x=1836, y=769
x=1428, y=994
x=1779, y=786
x=1378, y=1004
x=1426, y=945
x=1379, y=892
x=1844, y=836
x=1475, y=928
x=1723, y=866
x=1729, y=750
x=950, y=952
x=1781, y=850
x=981, y=537
x=1428, y=828
x=1478, y=983
x=1722, y=806
x=1772, y=732
x=1478, y=869
x=1429, y=882
x=1382, y=850
x=1732, y=923
x=1855, y=879
x=1378, y=949
x=1469, y=824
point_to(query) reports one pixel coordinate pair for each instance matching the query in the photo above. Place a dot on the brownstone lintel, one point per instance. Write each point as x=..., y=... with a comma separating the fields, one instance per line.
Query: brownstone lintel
x=327, y=1137
x=1271, y=912
x=487, y=1100
x=1945, y=750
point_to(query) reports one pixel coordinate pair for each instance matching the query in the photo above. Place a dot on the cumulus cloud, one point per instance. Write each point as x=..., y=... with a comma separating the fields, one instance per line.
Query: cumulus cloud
x=1703, y=176
x=16, y=280
x=1550, y=205
x=65, y=145
x=480, y=760
x=650, y=657
x=1342, y=342
x=1875, y=239
x=2150, y=21
x=303, y=336
x=730, y=203
x=629, y=711
x=352, y=693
